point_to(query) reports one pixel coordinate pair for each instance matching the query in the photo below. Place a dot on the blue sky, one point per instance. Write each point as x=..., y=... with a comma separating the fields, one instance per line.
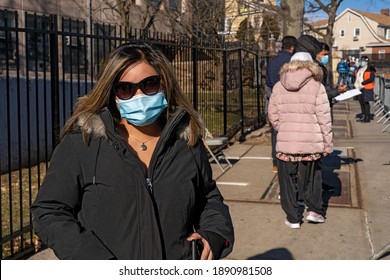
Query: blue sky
x=373, y=6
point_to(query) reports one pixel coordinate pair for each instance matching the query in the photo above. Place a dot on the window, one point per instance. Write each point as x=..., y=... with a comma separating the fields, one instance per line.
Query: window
x=154, y=3
x=73, y=45
x=102, y=46
x=356, y=32
x=342, y=33
x=381, y=54
x=174, y=5
x=38, y=42
x=228, y=24
x=7, y=40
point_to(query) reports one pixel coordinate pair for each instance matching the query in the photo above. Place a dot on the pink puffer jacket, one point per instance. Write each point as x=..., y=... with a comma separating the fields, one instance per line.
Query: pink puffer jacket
x=299, y=110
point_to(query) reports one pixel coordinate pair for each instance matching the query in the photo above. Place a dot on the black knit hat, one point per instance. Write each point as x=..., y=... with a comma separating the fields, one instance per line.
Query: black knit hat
x=307, y=43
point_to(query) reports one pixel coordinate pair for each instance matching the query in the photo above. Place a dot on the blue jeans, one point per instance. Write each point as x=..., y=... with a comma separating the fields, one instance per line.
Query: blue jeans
x=342, y=79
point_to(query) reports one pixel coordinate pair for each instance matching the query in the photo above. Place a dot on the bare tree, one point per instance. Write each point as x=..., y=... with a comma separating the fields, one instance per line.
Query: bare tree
x=269, y=30
x=246, y=33
x=330, y=8
x=198, y=19
x=292, y=12
x=124, y=13
x=202, y=20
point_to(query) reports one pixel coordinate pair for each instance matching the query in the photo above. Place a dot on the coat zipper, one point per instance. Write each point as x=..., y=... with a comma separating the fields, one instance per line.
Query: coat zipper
x=160, y=145
x=149, y=185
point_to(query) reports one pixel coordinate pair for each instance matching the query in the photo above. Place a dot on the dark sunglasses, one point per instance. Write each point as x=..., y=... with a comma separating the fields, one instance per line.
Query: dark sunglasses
x=126, y=90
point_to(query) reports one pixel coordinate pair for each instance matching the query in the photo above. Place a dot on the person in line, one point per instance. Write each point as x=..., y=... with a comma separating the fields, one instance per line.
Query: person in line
x=365, y=78
x=131, y=177
x=299, y=111
x=272, y=77
x=351, y=74
x=319, y=52
x=342, y=70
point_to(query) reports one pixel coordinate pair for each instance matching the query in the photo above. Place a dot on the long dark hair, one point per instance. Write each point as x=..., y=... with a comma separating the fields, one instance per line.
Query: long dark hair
x=119, y=60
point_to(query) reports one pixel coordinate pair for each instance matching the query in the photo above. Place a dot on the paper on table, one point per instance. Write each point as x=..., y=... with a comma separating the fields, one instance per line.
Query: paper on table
x=348, y=94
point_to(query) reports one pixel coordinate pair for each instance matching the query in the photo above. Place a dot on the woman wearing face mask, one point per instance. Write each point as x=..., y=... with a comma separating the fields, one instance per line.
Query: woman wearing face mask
x=364, y=82
x=131, y=178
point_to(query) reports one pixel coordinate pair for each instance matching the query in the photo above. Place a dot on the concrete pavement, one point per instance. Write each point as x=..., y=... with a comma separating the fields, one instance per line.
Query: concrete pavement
x=358, y=213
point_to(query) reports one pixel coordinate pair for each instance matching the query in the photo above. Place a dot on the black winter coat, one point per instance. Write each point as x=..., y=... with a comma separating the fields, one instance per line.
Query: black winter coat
x=330, y=91
x=98, y=202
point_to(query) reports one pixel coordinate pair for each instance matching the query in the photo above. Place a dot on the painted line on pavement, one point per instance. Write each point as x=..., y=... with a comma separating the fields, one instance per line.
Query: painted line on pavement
x=256, y=158
x=239, y=158
x=233, y=184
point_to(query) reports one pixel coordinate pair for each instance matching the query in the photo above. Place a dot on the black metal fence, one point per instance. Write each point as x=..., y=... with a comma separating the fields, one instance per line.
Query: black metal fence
x=48, y=63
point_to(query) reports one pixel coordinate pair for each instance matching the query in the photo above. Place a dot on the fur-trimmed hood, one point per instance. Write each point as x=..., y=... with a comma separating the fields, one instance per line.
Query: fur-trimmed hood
x=97, y=125
x=295, y=74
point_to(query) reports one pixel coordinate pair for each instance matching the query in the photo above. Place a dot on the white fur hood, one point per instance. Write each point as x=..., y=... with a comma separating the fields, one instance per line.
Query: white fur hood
x=97, y=125
x=295, y=74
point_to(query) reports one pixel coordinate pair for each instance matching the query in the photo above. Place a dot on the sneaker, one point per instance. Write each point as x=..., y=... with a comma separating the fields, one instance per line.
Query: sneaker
x=292, y=225
x=315, y=218
x=275, y=169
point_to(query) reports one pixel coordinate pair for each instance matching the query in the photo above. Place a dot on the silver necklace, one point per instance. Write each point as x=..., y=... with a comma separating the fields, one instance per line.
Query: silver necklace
x=143, y=146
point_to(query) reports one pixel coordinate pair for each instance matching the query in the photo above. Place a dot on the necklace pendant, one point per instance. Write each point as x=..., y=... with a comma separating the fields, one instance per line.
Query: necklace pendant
x=143, y=147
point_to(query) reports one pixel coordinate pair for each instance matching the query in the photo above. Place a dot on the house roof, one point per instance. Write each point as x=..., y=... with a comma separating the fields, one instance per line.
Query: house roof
x=382, y=19
x=320, y=23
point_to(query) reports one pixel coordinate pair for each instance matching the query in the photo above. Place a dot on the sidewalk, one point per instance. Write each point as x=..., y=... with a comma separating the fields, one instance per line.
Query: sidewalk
x=358, y=216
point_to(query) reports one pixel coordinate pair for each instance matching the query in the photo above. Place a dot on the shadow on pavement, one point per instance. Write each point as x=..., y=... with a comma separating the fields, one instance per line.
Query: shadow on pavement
x=274, y=254
x=331, y=183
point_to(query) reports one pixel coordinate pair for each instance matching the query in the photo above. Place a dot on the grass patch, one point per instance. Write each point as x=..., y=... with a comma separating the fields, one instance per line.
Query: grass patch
x=18, y=190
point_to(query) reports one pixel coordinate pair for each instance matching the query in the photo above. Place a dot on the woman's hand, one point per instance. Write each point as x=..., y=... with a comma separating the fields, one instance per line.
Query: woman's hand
x=206, y=254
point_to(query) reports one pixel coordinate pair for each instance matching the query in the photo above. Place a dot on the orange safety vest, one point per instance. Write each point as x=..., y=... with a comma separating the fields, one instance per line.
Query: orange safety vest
x=366, y=76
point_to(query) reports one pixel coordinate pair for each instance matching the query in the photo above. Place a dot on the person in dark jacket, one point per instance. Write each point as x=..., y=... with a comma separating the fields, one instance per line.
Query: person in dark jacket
x=272, y=77
x=131, y=177
x=365, y=78
x=319, y=51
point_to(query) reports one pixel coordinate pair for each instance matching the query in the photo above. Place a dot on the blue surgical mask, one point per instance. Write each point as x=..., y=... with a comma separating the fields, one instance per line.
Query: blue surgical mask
x=142, y=109
x=363, y=63
x=325, y=60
